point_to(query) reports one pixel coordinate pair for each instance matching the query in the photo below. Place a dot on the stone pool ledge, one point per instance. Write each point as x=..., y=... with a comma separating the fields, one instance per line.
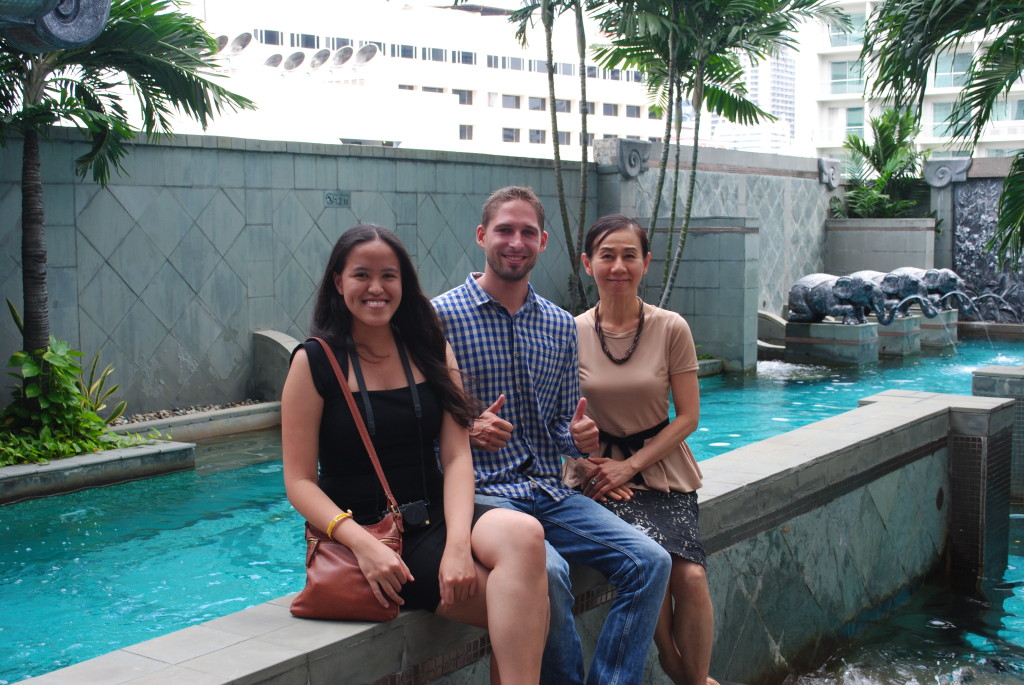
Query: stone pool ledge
x=807, y=532
x=28, y=481
x=210, y=424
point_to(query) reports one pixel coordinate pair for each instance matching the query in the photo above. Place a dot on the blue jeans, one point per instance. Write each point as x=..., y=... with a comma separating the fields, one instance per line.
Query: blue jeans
x=581, y=531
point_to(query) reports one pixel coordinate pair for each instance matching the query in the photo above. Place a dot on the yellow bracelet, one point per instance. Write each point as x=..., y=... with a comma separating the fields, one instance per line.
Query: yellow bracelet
x=337, y=519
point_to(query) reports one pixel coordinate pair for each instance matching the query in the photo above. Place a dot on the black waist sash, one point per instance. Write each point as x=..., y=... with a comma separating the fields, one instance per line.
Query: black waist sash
x=628, y=444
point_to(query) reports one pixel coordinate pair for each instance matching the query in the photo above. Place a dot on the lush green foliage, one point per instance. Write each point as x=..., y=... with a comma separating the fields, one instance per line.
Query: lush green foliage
x=697, y=48
x=901, y=42
x=885, y=172
x=54, y=409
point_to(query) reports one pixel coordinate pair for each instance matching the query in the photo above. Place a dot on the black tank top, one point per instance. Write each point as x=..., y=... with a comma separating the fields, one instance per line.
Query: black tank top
x=406, y=451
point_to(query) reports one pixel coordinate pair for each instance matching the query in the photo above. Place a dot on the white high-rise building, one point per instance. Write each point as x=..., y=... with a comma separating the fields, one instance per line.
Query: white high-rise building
x=771, y=85
x=842, y=107
x=415, y=75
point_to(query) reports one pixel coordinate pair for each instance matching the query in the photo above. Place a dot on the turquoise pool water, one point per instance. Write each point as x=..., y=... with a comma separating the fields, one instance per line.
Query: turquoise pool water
x=87, y=573
x=939, y=637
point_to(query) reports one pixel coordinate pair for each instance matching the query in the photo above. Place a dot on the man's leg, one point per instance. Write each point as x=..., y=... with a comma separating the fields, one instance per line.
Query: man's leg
x=585, y=532
x=563, y=653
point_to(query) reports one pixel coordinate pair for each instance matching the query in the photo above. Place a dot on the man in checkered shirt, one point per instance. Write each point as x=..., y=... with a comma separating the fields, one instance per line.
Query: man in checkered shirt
x=519, y=353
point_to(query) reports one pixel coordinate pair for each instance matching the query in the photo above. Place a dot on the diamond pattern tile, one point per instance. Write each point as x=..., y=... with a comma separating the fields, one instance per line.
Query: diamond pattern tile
x=199, y=266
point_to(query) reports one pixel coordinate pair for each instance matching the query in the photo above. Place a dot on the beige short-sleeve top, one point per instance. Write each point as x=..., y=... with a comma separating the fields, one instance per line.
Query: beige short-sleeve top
x=629, y=398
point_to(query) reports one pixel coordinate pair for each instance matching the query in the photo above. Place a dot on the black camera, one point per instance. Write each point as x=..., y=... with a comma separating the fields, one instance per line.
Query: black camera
x=415, y=514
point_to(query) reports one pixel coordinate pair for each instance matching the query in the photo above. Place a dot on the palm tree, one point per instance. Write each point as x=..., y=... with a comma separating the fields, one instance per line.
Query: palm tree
x=885, y=172
x=523, y=16
x=160, y=54
x=694, y=48
x=902, y=40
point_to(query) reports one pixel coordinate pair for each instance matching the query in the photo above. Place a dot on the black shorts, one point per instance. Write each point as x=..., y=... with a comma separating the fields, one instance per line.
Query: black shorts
x=422, y=549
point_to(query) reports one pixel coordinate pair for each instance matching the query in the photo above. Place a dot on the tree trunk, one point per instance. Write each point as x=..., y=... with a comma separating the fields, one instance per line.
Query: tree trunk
x=669, y=109
x=548, y=20
x=581, y=47
x=677, y=256
x=36, y=335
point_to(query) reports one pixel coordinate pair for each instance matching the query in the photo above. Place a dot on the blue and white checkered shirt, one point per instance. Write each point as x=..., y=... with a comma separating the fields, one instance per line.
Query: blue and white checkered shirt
x=531, y=357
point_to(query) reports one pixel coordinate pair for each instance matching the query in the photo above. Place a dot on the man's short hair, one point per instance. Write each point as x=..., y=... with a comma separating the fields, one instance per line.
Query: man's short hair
x=508, y=194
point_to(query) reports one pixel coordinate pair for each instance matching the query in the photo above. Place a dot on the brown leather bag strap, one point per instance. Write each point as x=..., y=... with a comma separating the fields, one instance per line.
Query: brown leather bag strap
x=358, y=418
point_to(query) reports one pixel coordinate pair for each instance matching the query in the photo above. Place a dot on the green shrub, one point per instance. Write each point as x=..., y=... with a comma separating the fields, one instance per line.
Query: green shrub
x=54, y=412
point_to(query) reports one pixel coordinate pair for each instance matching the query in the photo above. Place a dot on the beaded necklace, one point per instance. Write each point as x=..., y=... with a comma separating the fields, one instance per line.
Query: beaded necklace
x=636, y=338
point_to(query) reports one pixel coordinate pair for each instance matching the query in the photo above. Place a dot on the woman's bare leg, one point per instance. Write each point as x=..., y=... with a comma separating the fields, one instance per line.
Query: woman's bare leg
x=693, y=621
x=512, y=602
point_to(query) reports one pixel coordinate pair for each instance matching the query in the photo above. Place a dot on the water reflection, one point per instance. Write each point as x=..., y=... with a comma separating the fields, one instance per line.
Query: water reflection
x=939, y=637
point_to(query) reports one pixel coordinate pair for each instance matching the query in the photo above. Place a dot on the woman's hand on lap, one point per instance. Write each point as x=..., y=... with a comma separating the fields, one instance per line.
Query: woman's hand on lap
x=607, y=477
x=456, y=575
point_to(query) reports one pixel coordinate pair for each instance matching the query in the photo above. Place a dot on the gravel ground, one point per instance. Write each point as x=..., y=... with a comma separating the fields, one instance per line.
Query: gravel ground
x=169, y=413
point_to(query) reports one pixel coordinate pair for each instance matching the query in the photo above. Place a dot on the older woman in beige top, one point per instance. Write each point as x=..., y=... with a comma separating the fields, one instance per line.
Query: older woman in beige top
x=633, y=358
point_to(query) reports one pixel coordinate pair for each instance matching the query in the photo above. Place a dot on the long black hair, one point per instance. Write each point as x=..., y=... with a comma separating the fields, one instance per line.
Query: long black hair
x=416, y=323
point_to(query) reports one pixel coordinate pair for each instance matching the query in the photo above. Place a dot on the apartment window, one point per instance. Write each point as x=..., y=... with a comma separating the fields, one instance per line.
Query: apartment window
x=492, y=99
x=847, y=77
x=653, y=113
x=403, y=51
x=493, y=61
x=539, y=65
x=843, y=39
x=269, y=37
x=465, y=96
x=463, y=57
x=855, y=121
x=653, y=139
x=510, y=135
x=1008, y=110
x=942, y=119
x=632, y=137
x=590, y=139
x=378, y=43
x=1000, y=152
x=465, y=132
x=537, y=135
x=403, y=86
x=591, y=72
x=634, y=76
x=305, y=40
x=613, y=74
x=588, y=107
x=432, y=89
x=565, y=68
x=951, y=70
x=633, y=111
x=563, y=138
x=510, y=101
x=564, y=106
x=335, y=43
x=537, y=104
x=611, y=110
x=513, y=63
x=432, y=54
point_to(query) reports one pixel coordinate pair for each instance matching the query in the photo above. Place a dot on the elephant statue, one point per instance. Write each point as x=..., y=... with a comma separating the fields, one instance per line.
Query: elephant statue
x=943, y=285
x=816, y=296
x=901, y=289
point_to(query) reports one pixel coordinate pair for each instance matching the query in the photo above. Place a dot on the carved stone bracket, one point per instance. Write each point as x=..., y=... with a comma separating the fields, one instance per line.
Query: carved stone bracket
x=828, y=172
x=939, y=173
x=633, y=157
x=43, y=25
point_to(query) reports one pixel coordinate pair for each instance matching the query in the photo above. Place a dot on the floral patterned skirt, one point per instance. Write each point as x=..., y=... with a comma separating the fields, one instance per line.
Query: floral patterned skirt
x=668, y=518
